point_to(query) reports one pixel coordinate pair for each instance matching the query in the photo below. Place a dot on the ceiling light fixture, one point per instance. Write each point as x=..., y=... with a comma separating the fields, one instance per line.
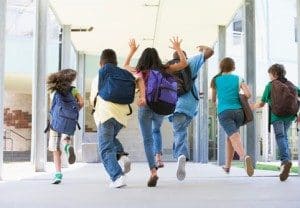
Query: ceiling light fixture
x=90, y=29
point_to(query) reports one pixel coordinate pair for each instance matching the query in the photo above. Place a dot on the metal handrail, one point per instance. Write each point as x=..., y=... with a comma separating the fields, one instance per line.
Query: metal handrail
x=12, y=144
x=10, y=138
x=18, y=134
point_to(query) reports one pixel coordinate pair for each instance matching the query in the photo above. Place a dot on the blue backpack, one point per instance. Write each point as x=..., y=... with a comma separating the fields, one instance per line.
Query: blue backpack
x=64, y=113
x=116, y=85
x=161, y=92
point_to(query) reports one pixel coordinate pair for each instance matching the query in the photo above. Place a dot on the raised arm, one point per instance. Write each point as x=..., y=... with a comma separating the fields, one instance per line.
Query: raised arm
x=182, y=59
x=133, y=48
x=207, y=51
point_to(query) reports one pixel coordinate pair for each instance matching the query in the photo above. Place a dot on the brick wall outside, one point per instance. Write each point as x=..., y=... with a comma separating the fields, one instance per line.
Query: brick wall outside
x=17, y=117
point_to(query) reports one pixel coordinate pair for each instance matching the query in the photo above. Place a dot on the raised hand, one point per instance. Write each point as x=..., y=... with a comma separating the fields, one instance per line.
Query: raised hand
x=133, y=46
x=175, y=43
x=201, y=48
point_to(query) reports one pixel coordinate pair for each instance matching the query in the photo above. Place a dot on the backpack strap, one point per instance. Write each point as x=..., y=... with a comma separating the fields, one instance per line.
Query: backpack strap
x=130, y=110
x=94, y=104
x=193, y=90
x=95, y=99
x=78, y=126
x=47, y=127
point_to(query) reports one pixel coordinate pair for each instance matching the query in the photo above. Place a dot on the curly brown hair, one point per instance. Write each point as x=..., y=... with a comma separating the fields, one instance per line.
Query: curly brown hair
x=61, y=81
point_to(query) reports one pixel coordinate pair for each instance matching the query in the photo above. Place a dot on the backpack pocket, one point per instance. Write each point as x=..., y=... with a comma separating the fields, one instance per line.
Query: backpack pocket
x=120, y=90
x=69, y=113
x=168, y=91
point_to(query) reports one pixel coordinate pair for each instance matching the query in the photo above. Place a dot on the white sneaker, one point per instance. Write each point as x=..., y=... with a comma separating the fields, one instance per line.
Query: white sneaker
x=181, y=167
x=126, y=164
x=119, y=183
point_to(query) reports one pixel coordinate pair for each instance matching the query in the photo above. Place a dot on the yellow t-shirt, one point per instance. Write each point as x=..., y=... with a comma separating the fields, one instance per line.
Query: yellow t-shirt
x=106, y=110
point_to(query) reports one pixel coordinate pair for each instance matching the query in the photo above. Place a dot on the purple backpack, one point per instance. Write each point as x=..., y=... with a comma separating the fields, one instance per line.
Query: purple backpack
x=161, y=92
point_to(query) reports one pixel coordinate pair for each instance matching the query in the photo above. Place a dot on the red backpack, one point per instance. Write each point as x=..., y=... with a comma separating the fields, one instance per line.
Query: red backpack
x=284, y=98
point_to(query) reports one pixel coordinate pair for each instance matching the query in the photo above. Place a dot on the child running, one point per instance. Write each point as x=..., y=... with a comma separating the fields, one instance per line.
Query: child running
x=225, y=89
x=148, y=119
x=112, y=91
x=282, y=96
x=65, y=105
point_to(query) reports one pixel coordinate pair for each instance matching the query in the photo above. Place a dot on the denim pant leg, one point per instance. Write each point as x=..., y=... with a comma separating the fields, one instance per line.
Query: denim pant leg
x=145, y=121
x=282, y=140
x=156, y=124
x=180, y=125
x=107, y=132
x=119, y=148
x=287, y=125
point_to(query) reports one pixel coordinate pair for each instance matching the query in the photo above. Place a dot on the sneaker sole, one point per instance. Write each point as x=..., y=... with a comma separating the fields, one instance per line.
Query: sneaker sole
x=72, y=157
x=56, y=182
x=249, y=166
x=127, y=167
x=181, y=169
x=117, y=187
x=286, y=172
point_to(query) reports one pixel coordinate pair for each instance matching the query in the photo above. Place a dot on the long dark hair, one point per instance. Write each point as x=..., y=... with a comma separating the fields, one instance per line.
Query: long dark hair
x=150, y=59
x=226, y=65
x=278, y=71
x=61, y=81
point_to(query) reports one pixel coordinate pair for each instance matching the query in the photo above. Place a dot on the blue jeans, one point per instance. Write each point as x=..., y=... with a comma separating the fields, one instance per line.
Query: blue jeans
x=148, y=121
x=231, y=120
x=180, y=122
x=109, y=145
x=281, y=128
x=157, y=141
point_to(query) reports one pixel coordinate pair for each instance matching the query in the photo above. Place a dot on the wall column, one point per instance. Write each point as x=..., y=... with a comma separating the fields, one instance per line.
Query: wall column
x=221, y=133
x=39, y=94
x=3, y=5
x=79, y=134
x=203, y=113
x=250, y=66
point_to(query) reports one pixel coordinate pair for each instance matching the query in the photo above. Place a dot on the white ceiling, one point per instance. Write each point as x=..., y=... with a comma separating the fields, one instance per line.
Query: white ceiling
x=116, y=21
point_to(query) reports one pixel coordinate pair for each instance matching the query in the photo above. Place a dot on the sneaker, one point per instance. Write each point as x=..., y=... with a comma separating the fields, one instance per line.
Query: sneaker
x=119, y=183
x=285, y=170
x=57, y=178
x=70, y=153
x=126, y=164
x=181, y=167
x=248, y=163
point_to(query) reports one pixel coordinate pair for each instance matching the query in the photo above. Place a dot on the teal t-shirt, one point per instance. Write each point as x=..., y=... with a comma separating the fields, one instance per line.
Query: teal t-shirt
x=266, y=98
x=228, y=88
